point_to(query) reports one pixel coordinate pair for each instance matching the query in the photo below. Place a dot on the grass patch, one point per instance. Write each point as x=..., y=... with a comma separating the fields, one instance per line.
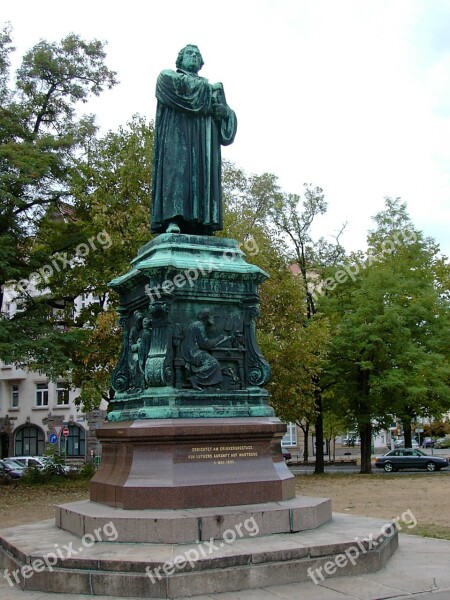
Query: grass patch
x=437, y=532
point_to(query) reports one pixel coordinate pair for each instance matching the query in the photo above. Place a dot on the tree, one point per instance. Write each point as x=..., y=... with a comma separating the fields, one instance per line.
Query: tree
x=389, y=350
x=292, y=344
x=40, y=136
x=293, y=217
x=97, y=235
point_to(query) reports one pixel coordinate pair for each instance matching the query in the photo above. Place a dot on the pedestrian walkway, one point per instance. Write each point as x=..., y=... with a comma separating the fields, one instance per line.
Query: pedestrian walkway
x=419, y=570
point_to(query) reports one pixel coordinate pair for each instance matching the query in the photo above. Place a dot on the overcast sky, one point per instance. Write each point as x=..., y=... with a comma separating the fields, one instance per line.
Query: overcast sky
x=349, y=95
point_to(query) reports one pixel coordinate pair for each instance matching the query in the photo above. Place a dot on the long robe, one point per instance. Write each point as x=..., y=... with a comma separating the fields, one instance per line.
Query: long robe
x=186, y=186
x=195, y=350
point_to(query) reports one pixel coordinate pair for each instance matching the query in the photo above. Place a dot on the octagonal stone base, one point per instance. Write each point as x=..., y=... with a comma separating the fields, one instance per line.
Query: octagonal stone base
x=185, y=526
x=155, y=570
x=191, y=463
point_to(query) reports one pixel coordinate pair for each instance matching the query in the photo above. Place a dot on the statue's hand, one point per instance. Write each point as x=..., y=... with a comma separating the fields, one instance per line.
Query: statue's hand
x=219, y=111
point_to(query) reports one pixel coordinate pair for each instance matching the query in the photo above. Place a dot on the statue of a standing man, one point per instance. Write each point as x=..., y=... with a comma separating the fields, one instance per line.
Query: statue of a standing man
x=192, y=121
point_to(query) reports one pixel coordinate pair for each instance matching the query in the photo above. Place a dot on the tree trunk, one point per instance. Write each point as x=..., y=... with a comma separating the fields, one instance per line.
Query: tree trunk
x=365, y=432
x=319, y=468
x=407, y=431
x=305, y=429
x=330, y=458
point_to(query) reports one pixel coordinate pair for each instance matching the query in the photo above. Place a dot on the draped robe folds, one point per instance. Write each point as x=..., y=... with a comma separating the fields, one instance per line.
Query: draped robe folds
x=195, y=350
x=186, y=187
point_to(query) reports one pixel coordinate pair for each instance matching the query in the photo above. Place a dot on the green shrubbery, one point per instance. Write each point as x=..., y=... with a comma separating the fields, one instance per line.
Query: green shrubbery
x=54, y=472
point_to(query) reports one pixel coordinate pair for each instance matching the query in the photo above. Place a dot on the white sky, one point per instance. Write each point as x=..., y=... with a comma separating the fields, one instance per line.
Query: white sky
x=349, y=95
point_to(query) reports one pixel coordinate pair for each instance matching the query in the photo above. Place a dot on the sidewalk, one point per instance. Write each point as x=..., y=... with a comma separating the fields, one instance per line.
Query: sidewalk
x=419, y=570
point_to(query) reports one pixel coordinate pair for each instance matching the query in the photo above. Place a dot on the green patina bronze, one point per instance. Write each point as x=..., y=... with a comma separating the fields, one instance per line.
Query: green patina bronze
x=193, y=121
x=188, y=310
x=189, y=304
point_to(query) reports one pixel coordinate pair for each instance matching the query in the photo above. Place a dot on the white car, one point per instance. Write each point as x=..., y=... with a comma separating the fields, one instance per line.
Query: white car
x=39, y=461
x=29, y=461
x=400, y=443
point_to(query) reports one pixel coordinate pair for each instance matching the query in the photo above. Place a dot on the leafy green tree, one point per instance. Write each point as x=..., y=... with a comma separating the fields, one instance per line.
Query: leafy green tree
x=437, y=429
x=389, y=310
x=40, y=136
x=293, y=345
x=97, y=235
x=333, y=425
x=293, y=217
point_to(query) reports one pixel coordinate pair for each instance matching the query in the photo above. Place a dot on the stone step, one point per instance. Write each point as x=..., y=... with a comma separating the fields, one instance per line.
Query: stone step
x=191, y=525
x=49, y=559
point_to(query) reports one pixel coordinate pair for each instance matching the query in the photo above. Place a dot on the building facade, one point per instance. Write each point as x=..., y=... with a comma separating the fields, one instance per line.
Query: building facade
x=32, y=408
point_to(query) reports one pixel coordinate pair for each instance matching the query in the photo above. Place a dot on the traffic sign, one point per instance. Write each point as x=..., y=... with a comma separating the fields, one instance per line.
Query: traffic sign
x=53, y=439
x=65, y=431
x=57, y=429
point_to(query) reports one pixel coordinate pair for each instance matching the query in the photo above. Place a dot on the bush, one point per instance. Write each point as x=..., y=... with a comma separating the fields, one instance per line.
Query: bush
x=87, y=471
x=35, y=475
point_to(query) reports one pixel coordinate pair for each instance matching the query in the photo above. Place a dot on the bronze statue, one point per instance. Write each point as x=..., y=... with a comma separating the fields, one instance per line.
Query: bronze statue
x=133, y=357
x=193, y=121
x=203, y=368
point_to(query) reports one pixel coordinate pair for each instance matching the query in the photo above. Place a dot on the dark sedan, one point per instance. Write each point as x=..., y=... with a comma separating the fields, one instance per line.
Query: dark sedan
x=7, y=473
x=407, y=458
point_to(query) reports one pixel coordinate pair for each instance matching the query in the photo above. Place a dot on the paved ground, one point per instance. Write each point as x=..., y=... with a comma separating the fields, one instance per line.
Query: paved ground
x=420, y=570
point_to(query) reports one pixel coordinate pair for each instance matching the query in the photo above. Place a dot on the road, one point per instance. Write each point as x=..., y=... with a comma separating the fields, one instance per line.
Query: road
x=353, y=453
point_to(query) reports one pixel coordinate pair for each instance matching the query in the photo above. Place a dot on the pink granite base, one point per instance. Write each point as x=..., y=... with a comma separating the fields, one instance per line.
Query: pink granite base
x=191, y=463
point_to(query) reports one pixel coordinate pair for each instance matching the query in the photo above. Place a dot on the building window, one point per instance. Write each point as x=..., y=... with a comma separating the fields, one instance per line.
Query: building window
x=62, y=394
x=29, y=441
x=42, y=394
x=20, y=305
x=290, y=437
x=14, y=396
x=75, y=443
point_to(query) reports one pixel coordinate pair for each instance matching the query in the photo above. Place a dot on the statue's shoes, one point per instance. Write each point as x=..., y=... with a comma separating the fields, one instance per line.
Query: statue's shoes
x=173, y=228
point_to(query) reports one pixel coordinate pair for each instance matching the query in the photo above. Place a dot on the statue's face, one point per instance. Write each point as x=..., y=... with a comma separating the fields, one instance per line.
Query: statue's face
x=192, y=60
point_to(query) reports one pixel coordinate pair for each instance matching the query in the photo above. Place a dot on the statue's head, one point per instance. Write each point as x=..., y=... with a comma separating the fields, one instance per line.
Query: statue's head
x=190, y=59
x=146, y=323
x=138, y=315
x=206, y=316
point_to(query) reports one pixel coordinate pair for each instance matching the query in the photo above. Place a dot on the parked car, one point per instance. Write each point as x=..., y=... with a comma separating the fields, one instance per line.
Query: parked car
x=15, y=466
x=41, y=462
x=58, y=468
x=408, y=458
x=7, y=473
x=400, y=443
x=29, y=461
x=427, y=442
x=286, y=454
x=351, y=441
x=442, y=442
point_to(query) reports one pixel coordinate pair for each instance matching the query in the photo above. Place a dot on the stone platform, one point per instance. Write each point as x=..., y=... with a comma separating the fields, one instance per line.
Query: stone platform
x=195, y=525
x=182, y=570
x=191, y=463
